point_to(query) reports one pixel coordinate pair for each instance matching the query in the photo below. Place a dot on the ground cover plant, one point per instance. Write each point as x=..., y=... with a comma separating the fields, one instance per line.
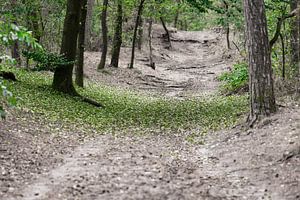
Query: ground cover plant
x=124, y=109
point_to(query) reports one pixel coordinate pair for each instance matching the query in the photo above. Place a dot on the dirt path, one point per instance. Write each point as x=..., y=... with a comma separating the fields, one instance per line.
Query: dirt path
x=189, y=69
x=262, y=163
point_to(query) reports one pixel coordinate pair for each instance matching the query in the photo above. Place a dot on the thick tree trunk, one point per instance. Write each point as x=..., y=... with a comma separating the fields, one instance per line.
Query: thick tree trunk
x=88, y=25
x=117, y=41
x=63, y=75
x=15, y=49
x=295, y=38
x=151, y=63
x=262, y=99
x=139, y=14
x=81, y=45
x=167, y=35
x=104, y=35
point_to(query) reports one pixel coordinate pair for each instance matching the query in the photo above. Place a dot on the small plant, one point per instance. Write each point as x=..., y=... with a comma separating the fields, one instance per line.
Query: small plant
x=46, y=61
x=236, y=79
x=6, y=99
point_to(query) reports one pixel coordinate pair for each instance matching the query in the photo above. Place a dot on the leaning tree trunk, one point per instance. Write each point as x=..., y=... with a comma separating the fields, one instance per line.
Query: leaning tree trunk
x=117, y=41
x=63, y=74
x=81, y=45
x=139, y=14
x=295, y=38
x=167, y=35
x=262, y=99
x=104, y=35
x=88, y=25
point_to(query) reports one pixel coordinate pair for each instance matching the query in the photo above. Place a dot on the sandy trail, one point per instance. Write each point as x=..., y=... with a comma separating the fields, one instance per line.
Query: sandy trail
x=259, y=164
x=262, y=163
x=189, y=69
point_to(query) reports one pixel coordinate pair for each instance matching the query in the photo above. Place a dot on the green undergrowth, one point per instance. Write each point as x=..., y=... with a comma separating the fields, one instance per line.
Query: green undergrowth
x=236, y=79
x=124, y=109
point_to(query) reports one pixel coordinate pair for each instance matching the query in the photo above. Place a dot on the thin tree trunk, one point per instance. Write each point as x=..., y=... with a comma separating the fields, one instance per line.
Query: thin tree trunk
x=81, y=45
x=62, y=80
x=262, y=98
x=167, y=32
x=140, y=33
x=117, y=41
x=177, y=14
x=283, y=55
x=88, y=25
x=104, y=35
x=227, y=26
x=139, y=14
x=151, y=63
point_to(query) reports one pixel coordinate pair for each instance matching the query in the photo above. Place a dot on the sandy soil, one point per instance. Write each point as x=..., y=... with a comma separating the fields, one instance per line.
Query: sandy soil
x=189, y=69
x=46, y=161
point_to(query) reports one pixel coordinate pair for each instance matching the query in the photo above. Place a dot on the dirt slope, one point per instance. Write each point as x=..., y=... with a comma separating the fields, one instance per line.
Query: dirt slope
x=188, y=69
x=263, y=163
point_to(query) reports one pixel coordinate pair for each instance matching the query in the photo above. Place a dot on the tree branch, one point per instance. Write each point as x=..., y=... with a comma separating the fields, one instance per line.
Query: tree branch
x=279, y=24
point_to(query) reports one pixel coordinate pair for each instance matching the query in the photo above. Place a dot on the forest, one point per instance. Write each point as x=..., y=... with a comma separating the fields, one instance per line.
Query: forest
x=149, y=99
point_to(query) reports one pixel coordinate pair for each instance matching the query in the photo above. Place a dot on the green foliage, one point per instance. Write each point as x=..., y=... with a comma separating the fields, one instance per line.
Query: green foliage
x=6, y=99
x=236, y=79
x=47, y=61
x=125, y=109
x=11, y=32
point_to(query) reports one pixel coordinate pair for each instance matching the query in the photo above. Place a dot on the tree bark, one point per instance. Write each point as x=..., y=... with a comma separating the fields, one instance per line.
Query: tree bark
x=117, y=41
x=295, y=40
x=15, y=49
x=62, y=80
x=88, y=25
x=262, y=98
x=81, y=45
x=104, y=35
x=139, y=14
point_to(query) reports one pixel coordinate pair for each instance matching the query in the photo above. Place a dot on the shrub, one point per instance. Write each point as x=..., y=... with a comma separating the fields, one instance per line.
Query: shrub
x=236, y=79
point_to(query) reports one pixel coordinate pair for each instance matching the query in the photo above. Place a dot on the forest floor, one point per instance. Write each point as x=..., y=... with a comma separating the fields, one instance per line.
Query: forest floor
x=43, y=160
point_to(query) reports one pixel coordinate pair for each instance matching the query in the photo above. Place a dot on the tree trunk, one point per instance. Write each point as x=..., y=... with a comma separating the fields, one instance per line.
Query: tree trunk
x=139, y=14
x=140, y=33
x=63, y=75
x=117, y=41
x=227, y=25
x=81, y=45
x=15, y=50
x=283, y=55
x=295, y=40
x=88, y=25
x=262, y=99
x=167, y=35
x=104, y=35
x=152, y=64
x=177, y=14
